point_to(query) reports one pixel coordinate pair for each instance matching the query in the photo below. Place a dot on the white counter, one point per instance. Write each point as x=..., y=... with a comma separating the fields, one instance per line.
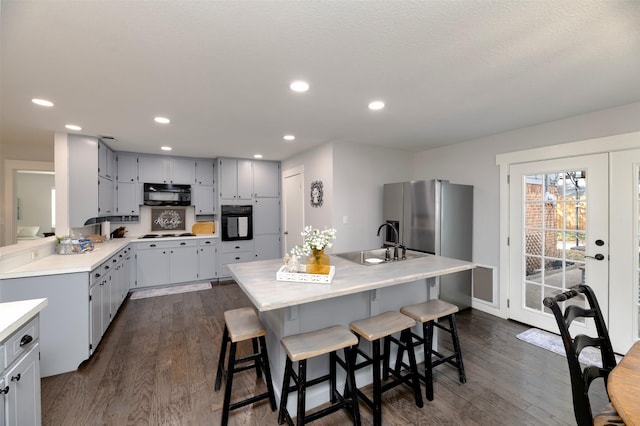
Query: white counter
x=14, y=315
x=72, y=263
x=258, y=279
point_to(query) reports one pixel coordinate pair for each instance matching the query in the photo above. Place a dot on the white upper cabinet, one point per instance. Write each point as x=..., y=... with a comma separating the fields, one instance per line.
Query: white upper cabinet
x=127, y=168
x=266, y=179
x=204, y=172
x=128, y=198
x=83, y=179
x=106, y=161
x=266, y=216
x=106, y=197
x=166, y=170
x=236, y=179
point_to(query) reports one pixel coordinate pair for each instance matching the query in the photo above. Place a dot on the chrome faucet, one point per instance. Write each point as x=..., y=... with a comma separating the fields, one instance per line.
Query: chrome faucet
x=397, y=242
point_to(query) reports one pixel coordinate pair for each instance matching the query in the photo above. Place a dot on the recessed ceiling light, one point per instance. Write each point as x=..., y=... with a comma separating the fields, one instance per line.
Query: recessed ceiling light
x=162, y=120
x=376, y=105
x=73, y=127
x=257, y=156
x=299, y=86
x=42, y=102
x=288, y=137
x=166, y=148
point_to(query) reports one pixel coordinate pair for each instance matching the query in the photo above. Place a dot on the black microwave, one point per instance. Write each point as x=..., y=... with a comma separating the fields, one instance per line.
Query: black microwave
x=164, y=194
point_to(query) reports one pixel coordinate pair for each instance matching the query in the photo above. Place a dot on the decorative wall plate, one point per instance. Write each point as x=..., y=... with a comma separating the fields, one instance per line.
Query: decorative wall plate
x=317, y=193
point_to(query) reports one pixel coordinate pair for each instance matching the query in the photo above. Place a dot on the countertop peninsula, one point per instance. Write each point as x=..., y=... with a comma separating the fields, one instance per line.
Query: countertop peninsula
x=258, y=279
x=15, y=314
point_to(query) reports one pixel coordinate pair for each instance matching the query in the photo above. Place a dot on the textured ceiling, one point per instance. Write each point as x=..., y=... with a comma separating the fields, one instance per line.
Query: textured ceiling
x=449, y=71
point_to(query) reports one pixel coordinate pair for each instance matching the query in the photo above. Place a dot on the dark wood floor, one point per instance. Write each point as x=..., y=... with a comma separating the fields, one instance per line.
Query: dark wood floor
x=156, y=366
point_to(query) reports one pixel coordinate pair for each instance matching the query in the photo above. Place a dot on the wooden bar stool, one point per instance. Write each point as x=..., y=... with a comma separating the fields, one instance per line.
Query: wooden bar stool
x=240, y=325
x=375, y=329
x=300, y=348
x=428, y=313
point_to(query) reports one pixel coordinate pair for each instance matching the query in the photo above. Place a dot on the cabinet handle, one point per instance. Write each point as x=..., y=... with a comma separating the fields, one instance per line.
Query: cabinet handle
x=107, y=267
x=4, y=391
x=152, y=245
x=15, y=378
x=237, y=247
x=183, y=244
x=26, y=339
x=115, y=260
x=97, y=275
x=207, y=242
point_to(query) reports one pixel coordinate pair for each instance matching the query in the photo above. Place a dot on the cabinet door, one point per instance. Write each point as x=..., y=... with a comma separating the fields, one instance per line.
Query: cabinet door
x=267, y=247
x=183, y=171
x=106, y=161
x=83, y=179
x=245, y=179
x=105, y=197
x=95, y=312
x=3, y=385
x=23, y=399
x=154, y=169
x=152, y=267
x=204, y=172
x=266, y=179
x=266, y=216
x=228, y=182
x=204, y=200
x=184, y=264
x=207, y=262
x=127, y=198
x=230, y=258
x=127, y=168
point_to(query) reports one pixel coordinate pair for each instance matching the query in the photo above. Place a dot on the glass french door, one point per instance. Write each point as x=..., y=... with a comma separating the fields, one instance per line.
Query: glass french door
x=624, y=316
x=559, y=234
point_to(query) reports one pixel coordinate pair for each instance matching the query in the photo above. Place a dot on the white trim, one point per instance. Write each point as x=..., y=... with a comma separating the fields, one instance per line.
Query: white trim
x=590, y=146
x=11, y=167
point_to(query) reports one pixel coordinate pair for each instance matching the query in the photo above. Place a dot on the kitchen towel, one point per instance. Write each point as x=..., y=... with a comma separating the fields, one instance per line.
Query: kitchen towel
x=243, y=227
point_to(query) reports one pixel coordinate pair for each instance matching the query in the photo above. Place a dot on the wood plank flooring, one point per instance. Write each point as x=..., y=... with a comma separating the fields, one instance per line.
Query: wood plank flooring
x=156, y=366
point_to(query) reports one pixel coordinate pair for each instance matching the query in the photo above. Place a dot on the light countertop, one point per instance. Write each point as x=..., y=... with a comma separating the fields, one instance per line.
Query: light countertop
x=258, y=279
x=14, y=315
x=73, y=263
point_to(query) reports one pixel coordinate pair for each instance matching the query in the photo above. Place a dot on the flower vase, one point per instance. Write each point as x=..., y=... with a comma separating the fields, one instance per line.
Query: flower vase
x=318, y=262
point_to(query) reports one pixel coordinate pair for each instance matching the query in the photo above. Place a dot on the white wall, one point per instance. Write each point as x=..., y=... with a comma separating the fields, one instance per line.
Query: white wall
x=359, y=173
x=474, y=163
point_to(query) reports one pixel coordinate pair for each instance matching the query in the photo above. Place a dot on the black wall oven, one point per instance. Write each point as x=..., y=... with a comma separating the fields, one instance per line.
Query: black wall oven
x=237, y=223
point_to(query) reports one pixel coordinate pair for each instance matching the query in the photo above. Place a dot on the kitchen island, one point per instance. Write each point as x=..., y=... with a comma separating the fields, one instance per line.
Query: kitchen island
x=356, y=292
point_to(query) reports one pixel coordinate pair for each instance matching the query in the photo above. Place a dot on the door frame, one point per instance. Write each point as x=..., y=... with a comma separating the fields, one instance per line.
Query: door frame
x=285, y=174
x=606, y=144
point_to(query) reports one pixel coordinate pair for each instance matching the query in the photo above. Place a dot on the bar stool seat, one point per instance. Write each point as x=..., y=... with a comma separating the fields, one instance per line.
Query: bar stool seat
x=428, y=313
x=240, y=325
x=382, y=327
x=303, y=346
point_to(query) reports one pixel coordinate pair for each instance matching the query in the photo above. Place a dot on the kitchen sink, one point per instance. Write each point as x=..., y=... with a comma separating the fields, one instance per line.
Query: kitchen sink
x=376, y=256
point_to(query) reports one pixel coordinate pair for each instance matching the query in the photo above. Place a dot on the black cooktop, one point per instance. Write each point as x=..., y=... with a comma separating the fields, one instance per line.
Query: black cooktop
x=184, y=234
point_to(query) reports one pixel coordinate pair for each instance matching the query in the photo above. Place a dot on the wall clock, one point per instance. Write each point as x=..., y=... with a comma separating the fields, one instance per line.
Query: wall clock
x=316, y=193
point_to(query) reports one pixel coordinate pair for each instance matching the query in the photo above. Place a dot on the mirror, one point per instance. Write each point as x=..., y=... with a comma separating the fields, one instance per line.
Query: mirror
x=13, y=172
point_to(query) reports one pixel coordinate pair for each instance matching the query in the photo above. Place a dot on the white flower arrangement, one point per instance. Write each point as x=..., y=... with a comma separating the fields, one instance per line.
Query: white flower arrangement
x=314, y=239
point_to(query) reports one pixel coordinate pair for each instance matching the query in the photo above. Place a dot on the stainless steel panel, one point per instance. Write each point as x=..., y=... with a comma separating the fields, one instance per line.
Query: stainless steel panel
x=420, y=212
x=392, y=197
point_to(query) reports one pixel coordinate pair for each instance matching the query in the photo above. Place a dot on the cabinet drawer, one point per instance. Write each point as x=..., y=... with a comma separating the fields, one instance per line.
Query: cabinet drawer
x=228, y=258
x=166, y=244
x=237, y=246
x=21, y=341
x=207, y=243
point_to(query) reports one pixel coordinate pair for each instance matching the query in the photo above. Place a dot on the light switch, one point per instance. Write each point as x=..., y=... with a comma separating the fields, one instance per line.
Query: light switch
x=345, y=219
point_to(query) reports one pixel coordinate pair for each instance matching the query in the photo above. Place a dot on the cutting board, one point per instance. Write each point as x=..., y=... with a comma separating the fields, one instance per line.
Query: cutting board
x=203, y=228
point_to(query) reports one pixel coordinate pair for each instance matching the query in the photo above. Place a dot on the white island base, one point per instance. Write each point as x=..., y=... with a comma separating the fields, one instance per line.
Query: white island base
x=356, y=292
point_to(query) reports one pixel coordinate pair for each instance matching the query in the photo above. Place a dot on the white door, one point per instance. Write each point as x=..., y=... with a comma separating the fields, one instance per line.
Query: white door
x=624, y=302
x=293, y=209
x=558, y=234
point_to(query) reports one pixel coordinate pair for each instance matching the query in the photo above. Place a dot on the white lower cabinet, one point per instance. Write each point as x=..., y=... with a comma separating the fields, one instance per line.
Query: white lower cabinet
x=234, y=252
x=167, y=262
x=20, y=378
x=207, y=261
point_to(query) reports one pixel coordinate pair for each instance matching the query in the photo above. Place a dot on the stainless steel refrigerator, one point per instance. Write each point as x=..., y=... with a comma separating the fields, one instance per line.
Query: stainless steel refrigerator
x=435, y=217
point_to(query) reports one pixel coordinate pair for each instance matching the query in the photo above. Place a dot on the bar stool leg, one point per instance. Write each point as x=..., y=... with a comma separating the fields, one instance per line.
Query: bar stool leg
x=350, y=356
x=254, y=343
x=223, y=353
x=285, y=391
x=227, y=390
x=405, y=337
x=267, y=372
x=386, y=355
x=456, y=348
x=377, y=387
x=332, y=377
x=427, y=333
x=302, y=390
